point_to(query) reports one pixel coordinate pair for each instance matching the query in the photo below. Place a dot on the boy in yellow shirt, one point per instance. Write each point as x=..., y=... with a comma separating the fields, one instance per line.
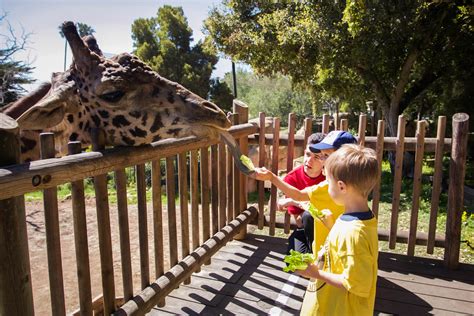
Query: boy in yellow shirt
x=317, y=194
x=346, y=269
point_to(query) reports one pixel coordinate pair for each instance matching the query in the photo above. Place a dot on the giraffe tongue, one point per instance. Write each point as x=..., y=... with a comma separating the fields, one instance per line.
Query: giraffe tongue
x=235, y=151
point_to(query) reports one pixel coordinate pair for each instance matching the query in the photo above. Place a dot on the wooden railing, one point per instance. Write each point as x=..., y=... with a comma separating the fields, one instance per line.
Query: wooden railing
x=439, y=145
x=213, y=207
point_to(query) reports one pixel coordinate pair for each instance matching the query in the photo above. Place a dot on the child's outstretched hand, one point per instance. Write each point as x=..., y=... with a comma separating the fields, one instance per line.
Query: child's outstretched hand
x=262, y=173
x=311, y=271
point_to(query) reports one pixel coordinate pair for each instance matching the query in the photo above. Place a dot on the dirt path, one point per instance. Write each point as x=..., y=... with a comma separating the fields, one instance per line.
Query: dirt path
x=38, y=255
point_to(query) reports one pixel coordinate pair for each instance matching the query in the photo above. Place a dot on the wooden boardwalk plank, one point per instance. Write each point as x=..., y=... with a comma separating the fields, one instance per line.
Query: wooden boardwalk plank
x=246, y=277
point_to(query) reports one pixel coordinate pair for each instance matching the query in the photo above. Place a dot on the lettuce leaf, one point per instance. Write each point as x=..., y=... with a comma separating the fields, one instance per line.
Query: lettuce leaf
x=315, y=212
x=247, y=162
x=297, y=261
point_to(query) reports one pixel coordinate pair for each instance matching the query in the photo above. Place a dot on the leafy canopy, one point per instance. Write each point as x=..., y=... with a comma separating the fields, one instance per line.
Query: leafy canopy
x=353, y=50
x=164, y=43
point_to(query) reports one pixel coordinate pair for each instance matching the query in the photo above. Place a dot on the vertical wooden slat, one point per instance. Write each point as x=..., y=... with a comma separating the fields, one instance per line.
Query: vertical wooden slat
x=420, y=145
x=230, y=186
x=157, y=217
x=437, y=178
x=103, y=224
x=16, y=295
x=362, y=128
x=143, y=226
x=124, y=230
x=289, y=158
x=308, y=130
x=379, y=151
x=194, y=198
x=397, y=181
x=236, y=180
x=80, y=239
x=206, y=233
x=183, y=205
x=457, y=172
x=243, y=116
x=205, y=196
x=344, y=125
x=53, y=236
x=273, y=190
x=171, y=203
x=261, y=163
x=222, y=185
x=214, y=189
x=325, y=128
x=157, y=220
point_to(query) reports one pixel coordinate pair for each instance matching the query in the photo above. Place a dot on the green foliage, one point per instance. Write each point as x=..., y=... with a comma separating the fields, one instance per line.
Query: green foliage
x=297, y=261
x=164, y=43
x=13, y=73
x=221, y=95
x=398, y=53
x=274, y=96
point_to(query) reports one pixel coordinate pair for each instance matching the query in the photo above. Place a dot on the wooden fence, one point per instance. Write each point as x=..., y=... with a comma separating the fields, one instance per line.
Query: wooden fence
x=213, y=208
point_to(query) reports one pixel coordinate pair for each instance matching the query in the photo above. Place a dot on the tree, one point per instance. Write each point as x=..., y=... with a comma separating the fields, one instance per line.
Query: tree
x=13, y=73
x=164, y=43
x=221, y=95
x=395, y=52
x=275, y=96
x=83, y=30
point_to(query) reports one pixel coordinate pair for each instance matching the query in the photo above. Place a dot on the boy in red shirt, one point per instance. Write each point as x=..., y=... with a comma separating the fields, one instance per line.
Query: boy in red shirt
x=306, y=175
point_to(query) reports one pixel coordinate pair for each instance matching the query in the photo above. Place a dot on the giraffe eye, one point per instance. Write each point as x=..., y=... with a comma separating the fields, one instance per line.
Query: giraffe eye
x=114, y=96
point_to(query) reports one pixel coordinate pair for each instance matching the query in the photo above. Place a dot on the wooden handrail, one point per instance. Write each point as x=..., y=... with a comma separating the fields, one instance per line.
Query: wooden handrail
x=42, y=174
x=370, y=141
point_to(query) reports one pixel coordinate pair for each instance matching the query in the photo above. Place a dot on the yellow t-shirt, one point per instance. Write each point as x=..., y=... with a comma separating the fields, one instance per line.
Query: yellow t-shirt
x=320, y=198
x=352, y=245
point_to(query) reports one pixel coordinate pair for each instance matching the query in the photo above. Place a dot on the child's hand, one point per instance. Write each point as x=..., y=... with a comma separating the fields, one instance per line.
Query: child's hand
x=311, y=271
x=327, y=219
x=262, y=174
x=285, y=202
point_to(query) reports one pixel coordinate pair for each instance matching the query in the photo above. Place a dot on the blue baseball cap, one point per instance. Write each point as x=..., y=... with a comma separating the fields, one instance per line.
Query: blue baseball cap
x=333, y=140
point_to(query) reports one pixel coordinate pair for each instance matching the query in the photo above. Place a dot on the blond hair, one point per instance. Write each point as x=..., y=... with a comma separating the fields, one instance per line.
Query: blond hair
x=354, y=165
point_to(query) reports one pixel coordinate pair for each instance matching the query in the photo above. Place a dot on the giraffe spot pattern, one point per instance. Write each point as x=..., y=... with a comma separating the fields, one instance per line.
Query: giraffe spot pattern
x=96, y=120
x=103, y=113
x=120, y=121
x=157, y=124
x=27, y=144
x=138, y=132
x=73, y=137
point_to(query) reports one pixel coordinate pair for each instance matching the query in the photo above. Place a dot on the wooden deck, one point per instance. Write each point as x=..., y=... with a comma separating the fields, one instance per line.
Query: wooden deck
x=246, y=278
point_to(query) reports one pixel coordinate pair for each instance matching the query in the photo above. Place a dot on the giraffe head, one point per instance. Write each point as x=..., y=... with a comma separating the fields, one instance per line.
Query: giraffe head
x=120, y=95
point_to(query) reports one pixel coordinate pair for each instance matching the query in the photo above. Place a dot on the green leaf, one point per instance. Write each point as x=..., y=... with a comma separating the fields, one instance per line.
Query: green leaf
x=297, y=261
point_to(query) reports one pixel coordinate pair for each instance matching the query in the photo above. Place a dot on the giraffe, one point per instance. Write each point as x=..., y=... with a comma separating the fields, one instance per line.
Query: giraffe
x=132, y=104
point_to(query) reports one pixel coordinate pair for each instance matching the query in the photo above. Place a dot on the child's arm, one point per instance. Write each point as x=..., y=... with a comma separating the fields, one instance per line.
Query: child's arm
x=264, y=174
x=327, y=219
x=333, y=279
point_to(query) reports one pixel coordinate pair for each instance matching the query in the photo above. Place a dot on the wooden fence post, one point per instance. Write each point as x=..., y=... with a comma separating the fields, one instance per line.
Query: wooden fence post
x=457, y=171
x=16, y=295
x=243, y=110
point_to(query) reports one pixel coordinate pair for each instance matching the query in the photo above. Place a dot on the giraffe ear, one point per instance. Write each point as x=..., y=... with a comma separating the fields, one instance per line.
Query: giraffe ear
x=47, y=113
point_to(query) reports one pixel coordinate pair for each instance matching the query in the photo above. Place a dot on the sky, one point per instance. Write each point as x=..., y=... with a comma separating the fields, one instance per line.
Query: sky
x=111, y=20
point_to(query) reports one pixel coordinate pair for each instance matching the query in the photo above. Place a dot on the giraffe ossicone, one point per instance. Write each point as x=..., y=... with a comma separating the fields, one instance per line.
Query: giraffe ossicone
x=121, y=95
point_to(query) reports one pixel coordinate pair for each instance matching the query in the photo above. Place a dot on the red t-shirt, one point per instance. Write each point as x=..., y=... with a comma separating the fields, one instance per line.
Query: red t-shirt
x=300, y=180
